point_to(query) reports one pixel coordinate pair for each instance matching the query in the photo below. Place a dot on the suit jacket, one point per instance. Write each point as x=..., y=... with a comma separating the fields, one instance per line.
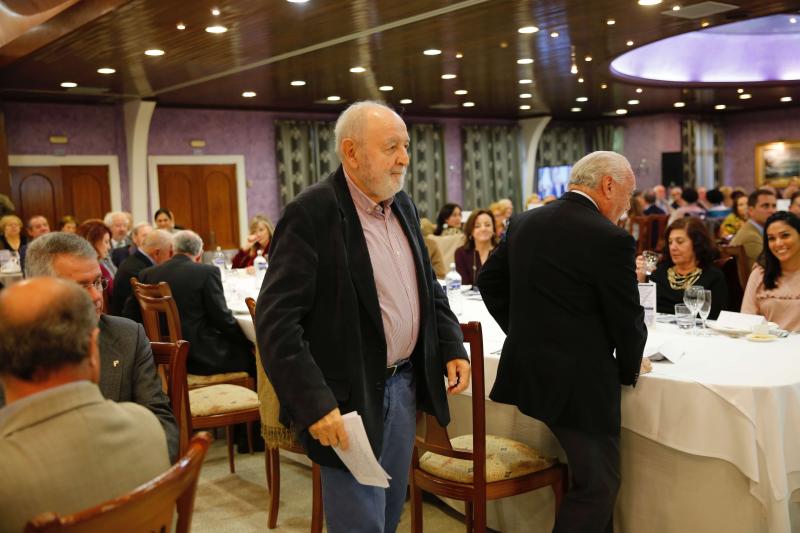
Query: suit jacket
x=128, y=374
x=129, y=268
x=67, y=449
x=752, y=240
x=118, y=255
x=318, y=320
x=562, y=285
x=218, y=344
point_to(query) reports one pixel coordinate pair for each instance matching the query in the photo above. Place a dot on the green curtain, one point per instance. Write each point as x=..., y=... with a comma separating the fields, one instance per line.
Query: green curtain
x=702, y=150
x=492, y=165
x=609, y=137
x=426, y=182
x=561, y=145
x=306, y=153
x=689, y=130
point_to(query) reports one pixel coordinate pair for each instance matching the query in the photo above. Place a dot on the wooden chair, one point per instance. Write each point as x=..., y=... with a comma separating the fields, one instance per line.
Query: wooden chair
x=733, y=263
x=149, y=507
x=167, y=328
x=272, y=457
x=170, y=359
x=458, y=468
x=651, y=232
x=212, y=406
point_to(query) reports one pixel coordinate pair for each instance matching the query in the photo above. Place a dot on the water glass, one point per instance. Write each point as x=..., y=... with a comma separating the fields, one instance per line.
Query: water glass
x=705, y=309
x=684, y=316
x=693, y=299
x=650, y=261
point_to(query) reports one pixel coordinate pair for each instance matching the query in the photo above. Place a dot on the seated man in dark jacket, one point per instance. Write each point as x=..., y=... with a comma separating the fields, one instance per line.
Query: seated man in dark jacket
x=218, y=344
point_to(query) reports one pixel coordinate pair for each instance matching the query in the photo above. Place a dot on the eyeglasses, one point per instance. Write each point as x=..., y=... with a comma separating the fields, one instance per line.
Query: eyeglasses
x=100, y=284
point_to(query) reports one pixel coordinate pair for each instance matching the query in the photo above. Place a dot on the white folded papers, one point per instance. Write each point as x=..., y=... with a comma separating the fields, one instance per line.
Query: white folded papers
x=670, y=350
x=358, y=458
x=647, y=299
x=741, y=321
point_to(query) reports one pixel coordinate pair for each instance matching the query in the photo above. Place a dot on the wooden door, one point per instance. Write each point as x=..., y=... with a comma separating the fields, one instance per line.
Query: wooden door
x=80, y=191
x=202, y=198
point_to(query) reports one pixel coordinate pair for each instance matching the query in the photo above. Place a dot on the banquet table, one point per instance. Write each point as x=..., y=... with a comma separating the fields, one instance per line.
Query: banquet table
x=709, y=444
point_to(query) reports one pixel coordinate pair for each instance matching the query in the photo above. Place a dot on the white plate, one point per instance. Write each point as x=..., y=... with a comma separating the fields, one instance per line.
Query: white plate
x=760, y=338
x=712, y=324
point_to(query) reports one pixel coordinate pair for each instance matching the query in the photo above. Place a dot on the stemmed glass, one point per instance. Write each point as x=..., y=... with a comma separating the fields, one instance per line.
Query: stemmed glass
x=705, y=309
x=693, y=298
x=650, y=262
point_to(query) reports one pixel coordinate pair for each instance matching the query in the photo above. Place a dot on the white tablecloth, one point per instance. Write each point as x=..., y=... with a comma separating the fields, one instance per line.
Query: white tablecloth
x=711, y=443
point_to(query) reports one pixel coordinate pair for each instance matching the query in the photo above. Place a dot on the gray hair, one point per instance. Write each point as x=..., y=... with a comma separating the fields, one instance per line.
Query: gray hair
x=187, y=242
x=157, y=240
x=58, y=335
x=138, y=227
x=350, y=124
x=43, y=250
x=108, y=220
x=590, y=169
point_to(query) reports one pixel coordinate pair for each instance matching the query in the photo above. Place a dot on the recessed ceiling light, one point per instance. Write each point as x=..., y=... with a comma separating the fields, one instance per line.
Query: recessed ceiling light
x=679, y=104
x=575, y=109
x=604, y=86
x=629, y=43
x=248, y=94
x=649, y=2
x=406, y=101
x=720, y=107
x=106, y=70
x=528, y=29
x=68, y=84
x=432, y=52
x=582, y=99
x=621, y=111
x=740, y=91
x=525, y=81
x=745, y=96
x=154, y=52
x=333, y=98
x=181, y=26
x=385, y=88
x=216, y=29
x=587, y=58
x=297, y=83
x=448, y=76
x=704, y=24
x=215, y=11
x=526, y=95
x=468, y=104
x=357, y=70
x=639, y=90
x=554, y=34
x=460, y=92
x=786, y=98
x=524, y=107
x=633, y=102
x=580, y=80
x=611, y=22
x=793, y=20
x=524, y=61
x=297, y=1
x=676, y=8
x=459, y=55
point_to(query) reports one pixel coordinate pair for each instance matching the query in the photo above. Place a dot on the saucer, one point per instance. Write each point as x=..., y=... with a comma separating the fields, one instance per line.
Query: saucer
x=760, y=337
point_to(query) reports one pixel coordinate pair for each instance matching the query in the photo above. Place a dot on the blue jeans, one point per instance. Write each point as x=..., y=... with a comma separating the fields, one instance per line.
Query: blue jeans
x=351, y=507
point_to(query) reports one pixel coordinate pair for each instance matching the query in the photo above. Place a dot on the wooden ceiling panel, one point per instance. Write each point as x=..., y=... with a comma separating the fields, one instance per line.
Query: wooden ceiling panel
x=268, y=44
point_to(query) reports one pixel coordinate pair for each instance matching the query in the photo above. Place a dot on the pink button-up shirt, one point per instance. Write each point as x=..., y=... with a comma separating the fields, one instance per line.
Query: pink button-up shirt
x=395, y=274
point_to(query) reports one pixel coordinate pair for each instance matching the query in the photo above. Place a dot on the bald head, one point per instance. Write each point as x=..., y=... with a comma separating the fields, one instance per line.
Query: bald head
x=158, y=245
x=46, y=325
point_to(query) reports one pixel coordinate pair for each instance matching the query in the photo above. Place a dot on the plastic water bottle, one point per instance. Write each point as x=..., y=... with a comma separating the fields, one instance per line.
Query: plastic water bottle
x=453, y=287
x=219, y=261
x=260, y=264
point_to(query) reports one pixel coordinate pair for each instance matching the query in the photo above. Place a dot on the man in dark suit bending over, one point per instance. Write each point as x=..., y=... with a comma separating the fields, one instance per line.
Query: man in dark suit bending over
x=351, y=318
x=562, y=285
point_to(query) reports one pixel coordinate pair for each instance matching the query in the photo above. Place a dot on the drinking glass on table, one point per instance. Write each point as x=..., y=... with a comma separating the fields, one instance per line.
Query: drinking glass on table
x=683, y=316
x=693, y=299
x=650, y=261
x=705, y=309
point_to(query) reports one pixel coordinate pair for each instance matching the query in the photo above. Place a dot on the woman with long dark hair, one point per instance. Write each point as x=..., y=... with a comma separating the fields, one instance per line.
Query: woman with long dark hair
x=448, y=221
x=773, y=289
x=481, y=242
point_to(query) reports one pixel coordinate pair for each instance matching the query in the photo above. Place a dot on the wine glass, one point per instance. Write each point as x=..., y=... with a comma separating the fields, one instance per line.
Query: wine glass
x=650, y=261
x=693, y=298
x=705, y=309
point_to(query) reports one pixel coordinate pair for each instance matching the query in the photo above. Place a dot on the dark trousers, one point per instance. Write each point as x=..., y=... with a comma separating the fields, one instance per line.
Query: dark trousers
x=594, y=481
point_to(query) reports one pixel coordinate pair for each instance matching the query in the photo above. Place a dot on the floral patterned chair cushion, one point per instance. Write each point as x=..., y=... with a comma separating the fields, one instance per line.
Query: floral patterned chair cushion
x=221, y=399
x=195, y=380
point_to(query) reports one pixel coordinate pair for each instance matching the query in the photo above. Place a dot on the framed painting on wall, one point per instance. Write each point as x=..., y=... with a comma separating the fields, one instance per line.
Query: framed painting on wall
x=778, y=163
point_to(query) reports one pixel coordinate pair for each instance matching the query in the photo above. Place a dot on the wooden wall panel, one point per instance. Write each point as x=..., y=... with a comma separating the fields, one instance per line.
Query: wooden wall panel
x=86, y=191
x=37, y=191
x=175, y=193
x=221, y=205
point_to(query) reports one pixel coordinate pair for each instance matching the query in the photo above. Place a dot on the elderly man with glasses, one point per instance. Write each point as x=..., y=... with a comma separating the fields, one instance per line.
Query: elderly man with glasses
x=127, y=370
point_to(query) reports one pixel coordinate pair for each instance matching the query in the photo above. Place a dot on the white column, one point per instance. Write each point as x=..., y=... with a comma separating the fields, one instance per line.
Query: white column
x=137, y=132
x=532, y=129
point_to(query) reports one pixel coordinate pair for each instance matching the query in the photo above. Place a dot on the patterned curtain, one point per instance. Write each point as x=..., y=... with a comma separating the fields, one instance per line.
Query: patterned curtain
x=492, y=165
x=689, y=130
x=719, y=152
x=306, y=154
x=561, y=145
x=702, y=151
x=426, y=182
x=607, y=137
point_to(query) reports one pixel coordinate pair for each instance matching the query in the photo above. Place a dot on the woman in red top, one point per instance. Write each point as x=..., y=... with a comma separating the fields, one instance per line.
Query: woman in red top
x=99, y=236
x=259, y=239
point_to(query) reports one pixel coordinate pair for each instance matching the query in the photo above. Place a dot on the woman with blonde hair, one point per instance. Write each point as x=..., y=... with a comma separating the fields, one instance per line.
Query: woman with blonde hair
x=259, y=239
x=11, y=235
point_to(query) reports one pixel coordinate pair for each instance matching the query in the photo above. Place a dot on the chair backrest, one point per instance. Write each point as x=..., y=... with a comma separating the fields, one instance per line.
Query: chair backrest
x=733, y=263
x=436, y=439
x=170, y=359
x=740, y=255
x=448, y=245
x=162, y=322
x=643, y=242
x=149, y=507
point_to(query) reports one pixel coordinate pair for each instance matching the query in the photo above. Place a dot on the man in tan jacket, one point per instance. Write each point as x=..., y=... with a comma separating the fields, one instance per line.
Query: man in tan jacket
x=63, y=447
x=760, y=205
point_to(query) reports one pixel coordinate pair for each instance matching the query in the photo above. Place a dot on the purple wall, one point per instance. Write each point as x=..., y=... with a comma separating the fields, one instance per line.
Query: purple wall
x=744, y=131
x=645, y=139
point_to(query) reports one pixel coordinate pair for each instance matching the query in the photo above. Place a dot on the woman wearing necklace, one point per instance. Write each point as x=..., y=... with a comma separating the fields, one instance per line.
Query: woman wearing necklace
x=481, y=242
x=688, y=262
